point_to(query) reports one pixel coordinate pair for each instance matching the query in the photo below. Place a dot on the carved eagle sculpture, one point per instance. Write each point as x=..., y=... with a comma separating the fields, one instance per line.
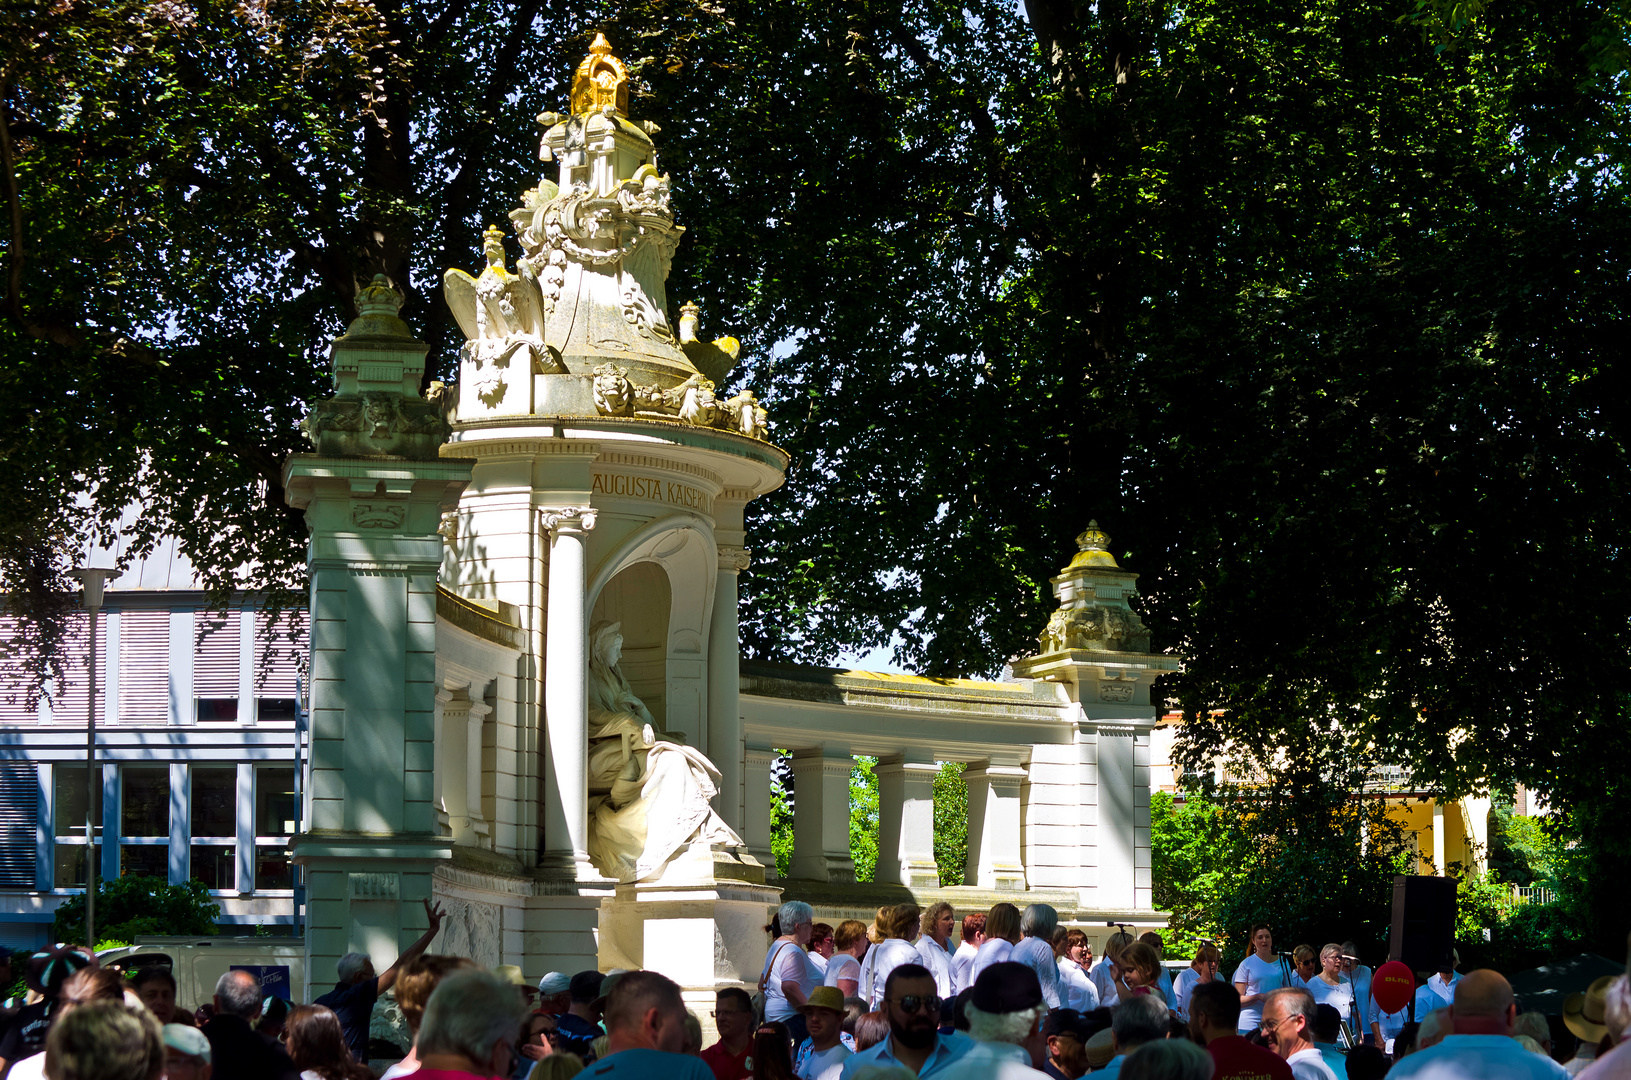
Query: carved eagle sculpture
x=500, y=313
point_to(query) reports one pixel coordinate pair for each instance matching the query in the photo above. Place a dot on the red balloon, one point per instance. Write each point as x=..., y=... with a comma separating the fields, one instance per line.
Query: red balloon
x=1392, y=985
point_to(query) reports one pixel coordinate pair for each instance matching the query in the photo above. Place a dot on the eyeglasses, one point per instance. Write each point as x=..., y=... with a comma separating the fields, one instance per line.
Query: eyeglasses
x=1268, y=1026
x=717, y=1013
x=912, y=1003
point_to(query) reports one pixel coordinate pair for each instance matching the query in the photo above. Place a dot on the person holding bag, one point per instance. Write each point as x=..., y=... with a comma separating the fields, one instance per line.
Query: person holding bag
x=788, y=975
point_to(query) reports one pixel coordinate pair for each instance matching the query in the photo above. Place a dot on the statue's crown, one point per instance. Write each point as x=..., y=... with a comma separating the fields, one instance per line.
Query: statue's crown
x=378, y=298
x=601, y=80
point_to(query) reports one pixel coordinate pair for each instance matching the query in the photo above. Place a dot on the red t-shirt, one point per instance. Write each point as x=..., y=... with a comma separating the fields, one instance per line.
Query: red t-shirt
x=1236, y=1059
x=729, y=1066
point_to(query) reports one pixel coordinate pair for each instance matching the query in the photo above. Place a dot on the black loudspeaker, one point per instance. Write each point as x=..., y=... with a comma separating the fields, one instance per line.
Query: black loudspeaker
x=1423, y=922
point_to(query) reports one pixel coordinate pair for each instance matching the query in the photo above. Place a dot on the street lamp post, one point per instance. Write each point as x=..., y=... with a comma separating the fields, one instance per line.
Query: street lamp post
x=91, y=580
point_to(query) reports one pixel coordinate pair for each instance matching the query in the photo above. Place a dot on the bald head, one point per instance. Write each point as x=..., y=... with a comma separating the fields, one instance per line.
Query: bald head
x=1483, y=999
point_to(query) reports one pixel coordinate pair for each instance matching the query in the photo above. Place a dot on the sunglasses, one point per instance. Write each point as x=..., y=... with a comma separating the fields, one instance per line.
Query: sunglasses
x=912, y=1003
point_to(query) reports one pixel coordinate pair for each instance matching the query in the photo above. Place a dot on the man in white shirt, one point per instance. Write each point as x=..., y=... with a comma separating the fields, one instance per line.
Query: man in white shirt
x=1006, y=1013
x=932, y=946
x=1288, y=1025
x=1437, y=992
x=1481, y=1046
x=973, y=938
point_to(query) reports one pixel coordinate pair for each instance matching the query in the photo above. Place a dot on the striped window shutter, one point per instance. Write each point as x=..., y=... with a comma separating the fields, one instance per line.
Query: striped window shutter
x=68, y=706
x=280, y=653
x=144, y=667
x=215, y=658
x=19, y=802
x=14, y=679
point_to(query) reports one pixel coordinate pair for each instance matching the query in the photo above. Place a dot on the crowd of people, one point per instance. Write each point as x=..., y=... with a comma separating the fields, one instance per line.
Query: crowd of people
x=1017, y=997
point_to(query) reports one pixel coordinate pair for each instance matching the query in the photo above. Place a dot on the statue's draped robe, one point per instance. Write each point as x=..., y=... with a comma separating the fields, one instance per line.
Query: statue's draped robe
x=648, y=795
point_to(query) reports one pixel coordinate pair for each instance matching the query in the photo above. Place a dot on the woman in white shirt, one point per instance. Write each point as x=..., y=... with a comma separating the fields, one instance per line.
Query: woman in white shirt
x=844, y=969
x=1076, y=990
x=1106, y=974
x=821, y=946
x=1204, y=968
x=788, y=975
x=1001, y=934
x=1255, y=977
x=899, y=931
x=1331, y=987
x=1035, y=949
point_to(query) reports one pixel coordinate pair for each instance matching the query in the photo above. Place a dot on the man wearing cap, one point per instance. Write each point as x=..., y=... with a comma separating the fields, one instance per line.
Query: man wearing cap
x=577, y=1029
x=824, y=1049
x=555, y=994
x=46, y=972
x=1584, y=1014
x=914, y=1042
x=1066, y=1032
x=1214, y=1016
x=1006, y=1014
x=186, y=1053
x=1616, y=1064
x=1480, y=1046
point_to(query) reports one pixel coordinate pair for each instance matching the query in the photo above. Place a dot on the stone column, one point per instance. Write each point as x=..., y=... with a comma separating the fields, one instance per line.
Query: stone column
x=1438, y=835
x=452, y=749
x=756, y=806
x=906, y=823
x=724, y=687
x=821, y=815
x=994, y=827
x=475, y=771
x=373, y=496
x=566, y=697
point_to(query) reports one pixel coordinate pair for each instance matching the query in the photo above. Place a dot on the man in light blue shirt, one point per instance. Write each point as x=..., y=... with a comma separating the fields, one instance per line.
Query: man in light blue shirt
x=1482, y=1047
x=912, y=1008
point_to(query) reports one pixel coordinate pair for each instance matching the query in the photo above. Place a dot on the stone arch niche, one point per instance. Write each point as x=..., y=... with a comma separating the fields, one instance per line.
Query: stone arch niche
x=659, y=584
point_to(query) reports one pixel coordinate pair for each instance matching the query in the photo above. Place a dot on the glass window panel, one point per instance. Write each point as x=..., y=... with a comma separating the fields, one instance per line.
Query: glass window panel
x=71, y=865
x=268, y=710
x=216, y=710
x=145, y=795
x=273, y=870
x=215, y=802
x=215, y=866
x=68, y=808
x=274, y=802
x=144, y=860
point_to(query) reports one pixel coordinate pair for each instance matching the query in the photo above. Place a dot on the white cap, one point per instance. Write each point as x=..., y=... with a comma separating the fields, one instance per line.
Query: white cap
x=187, y=1040
x=554, y=983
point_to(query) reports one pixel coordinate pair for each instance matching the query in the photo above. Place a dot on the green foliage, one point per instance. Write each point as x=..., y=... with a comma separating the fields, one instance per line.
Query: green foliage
x=781, y=813
x=1302, y=854
x=128, y=906
x=863, y=818
x=951, y=823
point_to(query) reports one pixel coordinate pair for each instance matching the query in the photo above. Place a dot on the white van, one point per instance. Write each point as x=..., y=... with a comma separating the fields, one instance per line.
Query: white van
x=199, y=962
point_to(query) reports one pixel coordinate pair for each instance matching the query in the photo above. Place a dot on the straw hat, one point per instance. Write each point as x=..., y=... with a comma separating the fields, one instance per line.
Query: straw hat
x=1584, y=1013
x=825, y=997
x=1100, y=1049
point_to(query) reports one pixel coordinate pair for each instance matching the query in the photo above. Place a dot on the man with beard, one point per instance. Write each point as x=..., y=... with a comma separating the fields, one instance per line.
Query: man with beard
x=912, y=1007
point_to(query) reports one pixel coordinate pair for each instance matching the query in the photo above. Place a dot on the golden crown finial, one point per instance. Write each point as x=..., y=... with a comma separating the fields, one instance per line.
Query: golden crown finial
x=1093, y=547
x=601, y=80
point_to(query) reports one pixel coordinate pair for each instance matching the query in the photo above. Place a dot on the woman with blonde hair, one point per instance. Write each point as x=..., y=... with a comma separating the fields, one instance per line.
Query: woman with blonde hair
x=1002, y=933
x=899, y=929
x=850, y=943
x=1076, y=990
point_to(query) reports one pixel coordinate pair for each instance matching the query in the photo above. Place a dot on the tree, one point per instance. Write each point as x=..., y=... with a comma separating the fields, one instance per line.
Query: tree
x=132, y=905
x=1318, y=310
x=951, y=823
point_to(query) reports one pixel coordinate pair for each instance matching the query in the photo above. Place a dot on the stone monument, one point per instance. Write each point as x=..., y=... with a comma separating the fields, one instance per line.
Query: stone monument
x=609, y=480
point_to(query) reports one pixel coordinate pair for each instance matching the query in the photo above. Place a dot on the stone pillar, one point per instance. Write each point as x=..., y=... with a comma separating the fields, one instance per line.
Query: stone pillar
x=756, y=806
x=453, y=744
x=373, y=495
x=1438, y=835
x=724, y=687
x=566, y=698
x=906, y=823
x=1117, y=809
x=475, y=772
x=994, y=827
x=821, y=815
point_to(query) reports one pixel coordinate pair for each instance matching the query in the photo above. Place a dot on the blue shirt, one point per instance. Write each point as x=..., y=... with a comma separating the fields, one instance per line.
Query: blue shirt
x=353, y=1004
x=948, y=1048
x=642, y=1064
x=1477, y=1057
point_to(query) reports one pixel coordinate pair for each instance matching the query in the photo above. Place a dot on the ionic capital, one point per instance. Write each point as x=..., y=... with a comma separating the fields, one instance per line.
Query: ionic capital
x=734, y=557
x=568, y=519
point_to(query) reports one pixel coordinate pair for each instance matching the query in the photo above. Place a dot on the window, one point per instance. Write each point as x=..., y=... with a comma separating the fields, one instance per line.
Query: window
x=19, y=803
x=274, y=823
x=215, y=826
x=144, y=821
x=216, y=659
x=271, y=710
x=68, y=823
